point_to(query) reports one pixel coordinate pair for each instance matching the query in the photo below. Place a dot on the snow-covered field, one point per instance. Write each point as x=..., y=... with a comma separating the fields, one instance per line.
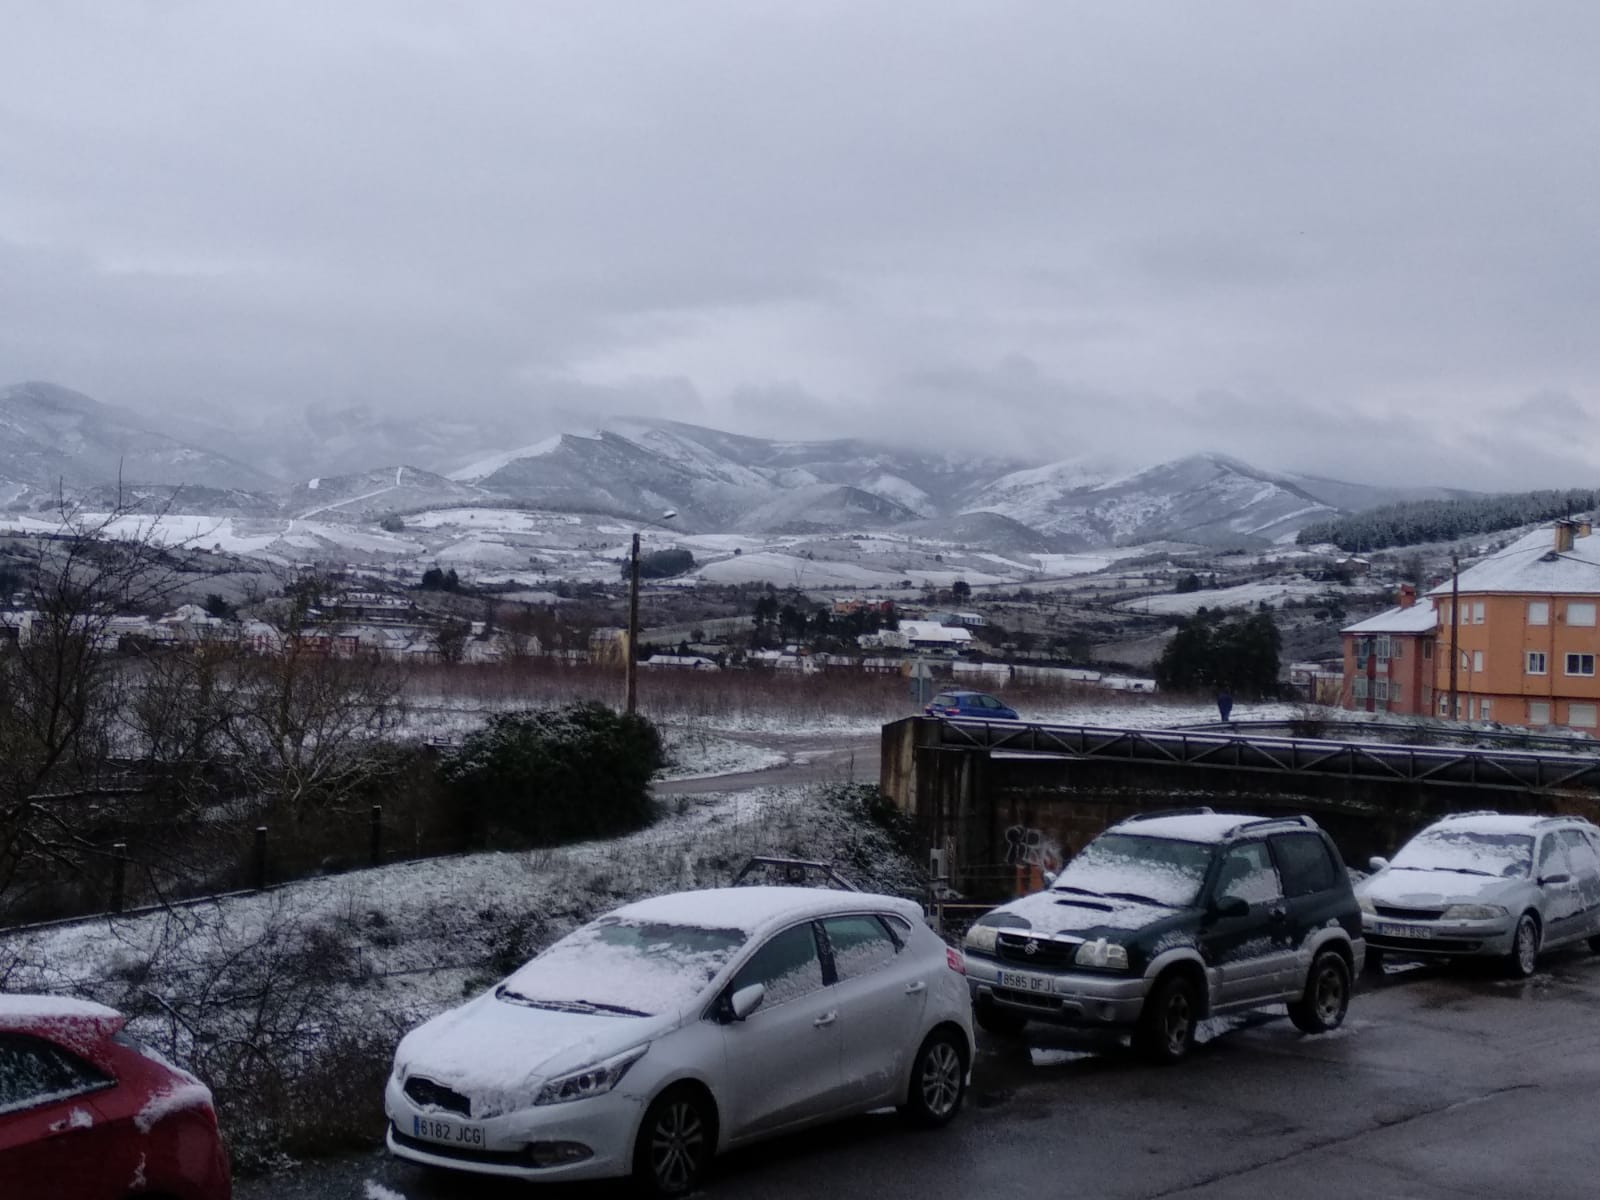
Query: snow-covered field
x=1274, y=592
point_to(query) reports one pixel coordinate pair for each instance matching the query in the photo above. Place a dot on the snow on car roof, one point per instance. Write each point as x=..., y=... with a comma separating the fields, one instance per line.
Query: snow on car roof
x=1187, y=827
x=752, y=908
x=17, y=1010
x=1492, y=823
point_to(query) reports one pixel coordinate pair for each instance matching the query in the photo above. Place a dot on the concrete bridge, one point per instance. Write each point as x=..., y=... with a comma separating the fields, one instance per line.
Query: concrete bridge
x=1006, y=801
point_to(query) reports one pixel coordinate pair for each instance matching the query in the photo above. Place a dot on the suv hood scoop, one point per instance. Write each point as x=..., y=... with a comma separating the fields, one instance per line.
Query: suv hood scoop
x=1086, y=902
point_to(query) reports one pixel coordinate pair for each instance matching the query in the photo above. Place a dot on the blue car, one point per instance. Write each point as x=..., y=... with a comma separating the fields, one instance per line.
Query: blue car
x=972, y=705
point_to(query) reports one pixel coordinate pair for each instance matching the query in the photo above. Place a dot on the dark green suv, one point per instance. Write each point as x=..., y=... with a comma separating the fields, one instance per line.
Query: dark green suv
x=1166, y=919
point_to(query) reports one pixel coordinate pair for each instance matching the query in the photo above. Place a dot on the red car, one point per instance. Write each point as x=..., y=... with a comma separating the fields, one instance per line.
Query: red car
x=86, y=1113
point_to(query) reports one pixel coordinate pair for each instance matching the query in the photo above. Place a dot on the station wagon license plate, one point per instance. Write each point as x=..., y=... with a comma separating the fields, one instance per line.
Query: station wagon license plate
x=1023, y=982
x=454, y=1133
x=1390, y=929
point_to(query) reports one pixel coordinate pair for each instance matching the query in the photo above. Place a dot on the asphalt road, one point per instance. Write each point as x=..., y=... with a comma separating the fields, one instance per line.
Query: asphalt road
x=1444, y=1083
x=808, y=758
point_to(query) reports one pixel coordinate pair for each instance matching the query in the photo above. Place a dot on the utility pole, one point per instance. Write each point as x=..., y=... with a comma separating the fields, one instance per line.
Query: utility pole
x=633, y=631
x=1455, y=625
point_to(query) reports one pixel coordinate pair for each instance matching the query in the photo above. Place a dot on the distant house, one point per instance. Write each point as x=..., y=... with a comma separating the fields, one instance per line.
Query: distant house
x=681, y=662
x=1388, y=659
x=930, y=635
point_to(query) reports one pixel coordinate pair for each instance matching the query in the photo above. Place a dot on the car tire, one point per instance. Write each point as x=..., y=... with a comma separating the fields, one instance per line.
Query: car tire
x=676, y=1140
x=1524, y=947
x=1165, y=1033
x=938, y=1080
x=993, y=1019
x=1322, y=1007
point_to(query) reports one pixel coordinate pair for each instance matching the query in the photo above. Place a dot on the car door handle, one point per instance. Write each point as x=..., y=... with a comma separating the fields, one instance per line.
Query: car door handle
x=913, y=988
x=826, y=1019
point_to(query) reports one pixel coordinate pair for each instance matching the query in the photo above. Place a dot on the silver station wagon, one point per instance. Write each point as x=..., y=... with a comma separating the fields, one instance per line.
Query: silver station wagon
x=1486, y=884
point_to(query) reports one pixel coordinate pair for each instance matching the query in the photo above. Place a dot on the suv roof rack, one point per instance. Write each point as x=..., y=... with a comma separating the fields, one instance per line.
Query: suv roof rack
x=1256, y=824
x=1202, y=811
x=1477, y=812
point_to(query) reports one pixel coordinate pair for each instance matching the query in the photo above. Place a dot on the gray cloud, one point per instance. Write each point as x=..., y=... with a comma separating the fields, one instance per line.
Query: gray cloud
x=1354, y=238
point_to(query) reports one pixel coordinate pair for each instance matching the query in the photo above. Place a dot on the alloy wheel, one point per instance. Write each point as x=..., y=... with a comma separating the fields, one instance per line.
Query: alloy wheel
x=1175, y=1022
x=941, y=1079
x=677, y=1146
x=1330, y=996
x=1527, y=946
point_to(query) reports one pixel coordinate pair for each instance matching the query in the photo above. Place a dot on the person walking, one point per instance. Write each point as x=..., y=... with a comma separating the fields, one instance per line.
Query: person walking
x=1224, y=705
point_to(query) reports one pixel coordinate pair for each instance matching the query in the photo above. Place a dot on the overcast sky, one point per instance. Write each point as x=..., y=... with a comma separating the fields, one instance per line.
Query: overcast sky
x=1361, y=239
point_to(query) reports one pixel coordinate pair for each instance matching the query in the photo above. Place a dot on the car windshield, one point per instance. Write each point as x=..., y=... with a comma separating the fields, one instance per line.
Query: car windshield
x=1122, y=866
x=1468, y=851
x=624, y=968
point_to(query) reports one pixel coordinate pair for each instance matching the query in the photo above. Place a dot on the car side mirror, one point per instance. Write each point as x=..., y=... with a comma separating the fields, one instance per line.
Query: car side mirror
x=1050, y=877
x=1230, y=906
x=1560, y=878
x=746, y=1000
x=1377, y=862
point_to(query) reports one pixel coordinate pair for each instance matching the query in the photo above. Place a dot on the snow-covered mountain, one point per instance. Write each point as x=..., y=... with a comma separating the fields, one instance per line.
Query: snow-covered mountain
x=636, y=469
x=51, y=435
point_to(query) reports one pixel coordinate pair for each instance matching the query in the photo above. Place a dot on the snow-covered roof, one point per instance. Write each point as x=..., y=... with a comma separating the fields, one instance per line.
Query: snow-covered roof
x=1531, y=566
x=1492, y=823
x=17, y=1011
x=1188, y=827
x=932, y=631
x=1420, y=617
x=752, y=908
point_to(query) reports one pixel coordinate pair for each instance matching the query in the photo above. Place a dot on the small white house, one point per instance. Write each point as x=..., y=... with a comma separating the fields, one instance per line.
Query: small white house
x=930, y=635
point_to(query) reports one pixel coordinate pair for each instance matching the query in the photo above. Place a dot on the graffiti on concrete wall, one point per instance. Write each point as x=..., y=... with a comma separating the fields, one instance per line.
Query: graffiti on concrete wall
x=1030, y=847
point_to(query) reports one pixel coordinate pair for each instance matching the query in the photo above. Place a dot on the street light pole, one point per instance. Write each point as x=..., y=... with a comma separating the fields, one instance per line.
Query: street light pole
x=632, y=698
x=633, y=628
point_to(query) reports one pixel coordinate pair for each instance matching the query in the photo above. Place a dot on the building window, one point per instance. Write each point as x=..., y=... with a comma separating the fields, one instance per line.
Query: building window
x=1538, y=712
x=1466, y=661
x=1395, y=646
x=1538, y=612
x=1477, y=613
x=1581, y=715
x=1359, y=690
x=1444, y=705
x=1380, y=689
x=1427, y=650
x=1580, y=614
x=1580, y=664
x=1477, y=660
x=1394, y=691
x=1536, y=662
x=1383, y=648
x=1483, y=709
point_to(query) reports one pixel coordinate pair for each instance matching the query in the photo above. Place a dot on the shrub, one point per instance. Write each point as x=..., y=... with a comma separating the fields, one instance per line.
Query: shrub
x=558, y=775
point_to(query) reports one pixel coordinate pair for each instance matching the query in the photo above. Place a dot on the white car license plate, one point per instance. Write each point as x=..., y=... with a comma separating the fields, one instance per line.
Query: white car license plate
x=1024, y=982
x=1411, y=931
x=455, y=1133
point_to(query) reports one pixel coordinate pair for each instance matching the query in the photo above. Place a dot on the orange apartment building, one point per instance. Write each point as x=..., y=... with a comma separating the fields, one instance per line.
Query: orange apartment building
x=1388, y=659
x=1524, y=633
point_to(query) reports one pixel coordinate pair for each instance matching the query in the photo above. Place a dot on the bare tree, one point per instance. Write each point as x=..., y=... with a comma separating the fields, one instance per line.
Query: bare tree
x=59, y=683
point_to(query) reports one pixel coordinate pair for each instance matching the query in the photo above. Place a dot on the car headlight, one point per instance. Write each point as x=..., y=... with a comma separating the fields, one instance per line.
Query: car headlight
x=594, y=1080
x=1366, y=904
x=1101, y=953
x=982, y=938
x=1473, y=912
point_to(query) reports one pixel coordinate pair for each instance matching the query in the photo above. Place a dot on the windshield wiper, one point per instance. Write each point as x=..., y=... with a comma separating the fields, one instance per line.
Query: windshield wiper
x=1139, y=898
x=1067, y=887
x=586, y=1007
x=1458, y=871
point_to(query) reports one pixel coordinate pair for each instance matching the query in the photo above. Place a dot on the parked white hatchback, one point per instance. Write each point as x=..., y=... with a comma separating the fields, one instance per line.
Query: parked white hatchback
x=677, y=1027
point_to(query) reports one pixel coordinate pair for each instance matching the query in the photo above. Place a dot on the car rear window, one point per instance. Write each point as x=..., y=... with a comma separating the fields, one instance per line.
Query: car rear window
x=1304, y=864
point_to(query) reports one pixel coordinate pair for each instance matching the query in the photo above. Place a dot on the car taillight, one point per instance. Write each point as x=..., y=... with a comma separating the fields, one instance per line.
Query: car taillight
x=952, y=712
x=955, y=960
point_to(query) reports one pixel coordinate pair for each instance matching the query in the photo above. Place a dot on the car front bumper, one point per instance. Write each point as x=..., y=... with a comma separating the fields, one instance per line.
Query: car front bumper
x=1442, y=939
x=516, y=1143
x=1074, y=998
